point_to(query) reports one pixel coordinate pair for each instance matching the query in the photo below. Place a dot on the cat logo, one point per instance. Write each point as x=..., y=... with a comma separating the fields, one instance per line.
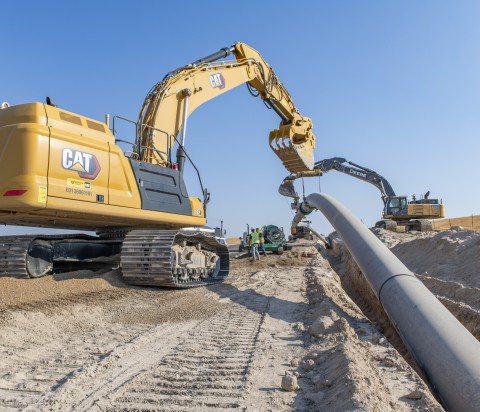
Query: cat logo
x=85, y=164
x=217, y=80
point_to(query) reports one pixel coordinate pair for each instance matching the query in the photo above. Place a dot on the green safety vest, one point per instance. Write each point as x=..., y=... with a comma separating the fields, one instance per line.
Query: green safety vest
x=260, y=237
x=253, y=238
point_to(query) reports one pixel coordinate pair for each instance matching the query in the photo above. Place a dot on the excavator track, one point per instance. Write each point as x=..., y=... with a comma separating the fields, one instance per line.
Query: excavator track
x=169, y=258
x=387, y=224
x=33, y=256
x=422, y=225
x=13, y=255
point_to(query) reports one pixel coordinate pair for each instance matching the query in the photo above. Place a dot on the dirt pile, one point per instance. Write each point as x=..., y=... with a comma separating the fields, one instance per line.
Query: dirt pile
x=448, y=264
x=232, y=241
x=349, y=364
x=304, y=256
x=451, y=255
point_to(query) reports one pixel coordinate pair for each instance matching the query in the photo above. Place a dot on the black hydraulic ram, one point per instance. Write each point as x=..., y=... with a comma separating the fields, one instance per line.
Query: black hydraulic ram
x=445, y=351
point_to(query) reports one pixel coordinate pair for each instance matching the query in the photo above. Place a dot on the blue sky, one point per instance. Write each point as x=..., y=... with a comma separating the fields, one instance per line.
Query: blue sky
x=393, y=86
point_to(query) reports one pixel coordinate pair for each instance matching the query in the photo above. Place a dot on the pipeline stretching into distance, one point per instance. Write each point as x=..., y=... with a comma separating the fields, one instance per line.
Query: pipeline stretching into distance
x=445, y=351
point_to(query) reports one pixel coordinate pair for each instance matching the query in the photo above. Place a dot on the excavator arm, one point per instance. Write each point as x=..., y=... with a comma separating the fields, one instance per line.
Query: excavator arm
x=163, y=118
x=360, y=172
x=344, y=166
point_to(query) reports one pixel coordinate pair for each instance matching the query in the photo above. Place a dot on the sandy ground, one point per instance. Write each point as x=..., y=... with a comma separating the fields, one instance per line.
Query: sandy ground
x=306, y=320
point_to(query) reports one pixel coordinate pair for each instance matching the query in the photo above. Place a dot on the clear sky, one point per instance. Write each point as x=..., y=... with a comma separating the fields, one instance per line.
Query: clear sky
x=391, y=85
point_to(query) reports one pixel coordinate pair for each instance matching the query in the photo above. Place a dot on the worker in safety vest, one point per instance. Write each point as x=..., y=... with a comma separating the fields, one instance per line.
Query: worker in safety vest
x=261, y=242
x=254, y=241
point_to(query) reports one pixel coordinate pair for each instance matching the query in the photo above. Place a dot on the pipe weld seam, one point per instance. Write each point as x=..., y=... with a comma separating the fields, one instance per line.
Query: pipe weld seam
x=390, y=278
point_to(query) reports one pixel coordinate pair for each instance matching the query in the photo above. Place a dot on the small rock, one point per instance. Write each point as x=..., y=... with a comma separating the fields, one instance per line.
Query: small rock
x=416, y=395
x=456, y=228
x=389, y=361
x=299, y=326
x=289, y=382
x=313, y=355
x=321, y=326
x=361, y=332
x=296, y=374
x=308, y=364
x=327, y=383
x=343, y=326
x=294, y=363
x=401, y=367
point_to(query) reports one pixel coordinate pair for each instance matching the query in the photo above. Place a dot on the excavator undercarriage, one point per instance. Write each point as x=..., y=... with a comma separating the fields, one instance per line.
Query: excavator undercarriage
x=147, y=257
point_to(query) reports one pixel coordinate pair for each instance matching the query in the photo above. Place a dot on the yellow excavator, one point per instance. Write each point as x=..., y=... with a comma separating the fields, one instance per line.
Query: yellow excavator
x=412, y=214
x=62, y=170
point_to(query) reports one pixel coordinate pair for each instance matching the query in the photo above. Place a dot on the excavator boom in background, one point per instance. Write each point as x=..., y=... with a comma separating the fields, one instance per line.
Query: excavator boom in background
x=63, y=170
x=414, y=214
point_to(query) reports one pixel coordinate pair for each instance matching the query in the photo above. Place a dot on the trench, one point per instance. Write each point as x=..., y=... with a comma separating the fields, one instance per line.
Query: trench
x=461, y=299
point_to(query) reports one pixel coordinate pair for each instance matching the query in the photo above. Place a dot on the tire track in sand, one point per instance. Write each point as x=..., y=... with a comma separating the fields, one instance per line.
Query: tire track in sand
x=208, y=370
x=191, y=365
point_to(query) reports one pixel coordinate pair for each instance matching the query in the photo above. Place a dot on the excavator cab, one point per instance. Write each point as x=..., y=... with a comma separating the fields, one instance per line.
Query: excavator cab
x=396, y=206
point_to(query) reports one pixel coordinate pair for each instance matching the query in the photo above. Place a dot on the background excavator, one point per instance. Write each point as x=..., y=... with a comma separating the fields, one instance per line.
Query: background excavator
x=398, y=210
x=63, y=170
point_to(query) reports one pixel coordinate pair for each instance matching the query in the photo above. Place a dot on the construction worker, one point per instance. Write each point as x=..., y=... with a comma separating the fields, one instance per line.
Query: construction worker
x=261, y=242
x=254, y=245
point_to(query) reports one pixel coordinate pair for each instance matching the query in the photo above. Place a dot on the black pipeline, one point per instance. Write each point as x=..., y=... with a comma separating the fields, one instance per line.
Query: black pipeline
x=445, y=351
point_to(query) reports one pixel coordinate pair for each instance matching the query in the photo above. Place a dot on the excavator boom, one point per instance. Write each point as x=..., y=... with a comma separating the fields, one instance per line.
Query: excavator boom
x=344, y=166
x=163, y=118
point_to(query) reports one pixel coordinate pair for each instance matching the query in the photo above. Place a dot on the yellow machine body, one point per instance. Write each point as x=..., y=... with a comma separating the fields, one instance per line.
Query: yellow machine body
x=434, y=211
x=60, y=169
x=413, y=209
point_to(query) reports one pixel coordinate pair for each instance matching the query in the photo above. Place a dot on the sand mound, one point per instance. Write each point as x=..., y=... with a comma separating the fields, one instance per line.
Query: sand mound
x=349, y=365
x=232, y=241
x=298, y=257
x=446, y=262
x=450, y=255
